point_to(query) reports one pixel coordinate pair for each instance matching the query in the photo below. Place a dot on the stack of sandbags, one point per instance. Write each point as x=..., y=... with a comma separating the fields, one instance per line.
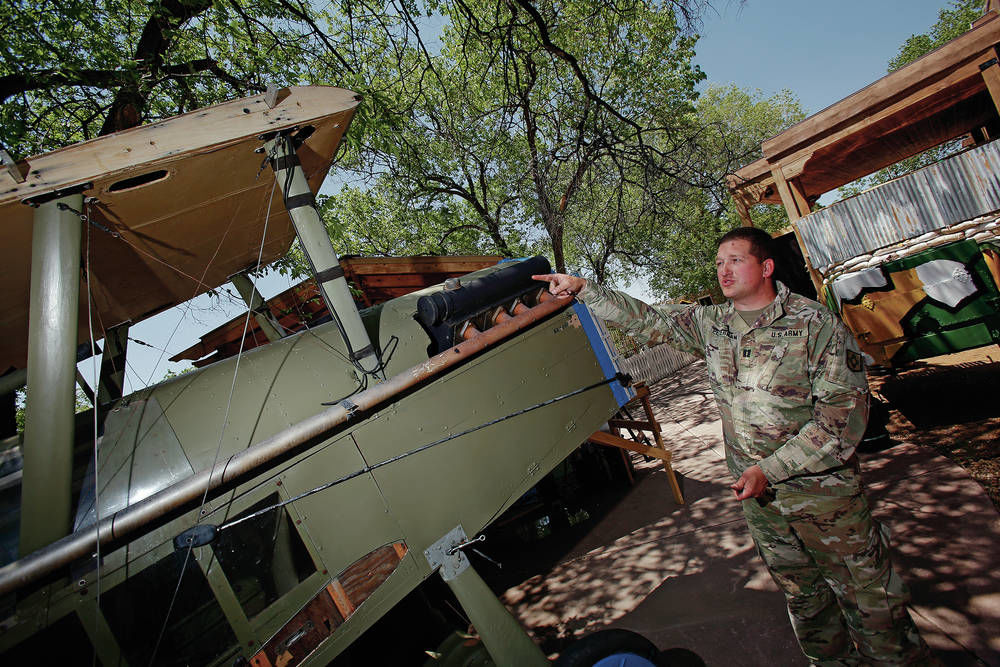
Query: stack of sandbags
x=981, y=230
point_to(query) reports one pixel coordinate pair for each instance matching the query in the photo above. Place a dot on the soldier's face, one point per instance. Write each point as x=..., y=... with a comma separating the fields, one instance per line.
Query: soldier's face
x=742, y=277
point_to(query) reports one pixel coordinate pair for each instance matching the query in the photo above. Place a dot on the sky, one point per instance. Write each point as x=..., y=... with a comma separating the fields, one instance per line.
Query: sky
x=820, y=50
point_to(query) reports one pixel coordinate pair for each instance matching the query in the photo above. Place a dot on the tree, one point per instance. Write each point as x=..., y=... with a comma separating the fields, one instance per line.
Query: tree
x=953, y=21
x=484, y=121
x=73, y=70
x=734, y=121
x=508, y=123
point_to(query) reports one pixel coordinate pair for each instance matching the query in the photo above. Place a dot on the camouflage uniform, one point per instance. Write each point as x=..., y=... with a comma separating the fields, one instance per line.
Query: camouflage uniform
x=792, y=394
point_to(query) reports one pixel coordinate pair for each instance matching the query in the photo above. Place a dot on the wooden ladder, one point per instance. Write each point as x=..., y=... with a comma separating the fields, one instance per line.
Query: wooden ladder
x=650, y=425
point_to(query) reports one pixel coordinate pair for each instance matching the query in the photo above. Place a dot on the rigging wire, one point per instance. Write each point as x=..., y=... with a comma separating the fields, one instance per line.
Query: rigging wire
x=392, y=459
x=97, y=393
x=222, y=433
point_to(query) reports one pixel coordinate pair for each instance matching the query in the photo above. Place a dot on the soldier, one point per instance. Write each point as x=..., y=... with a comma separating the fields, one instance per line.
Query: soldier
x=791, y=389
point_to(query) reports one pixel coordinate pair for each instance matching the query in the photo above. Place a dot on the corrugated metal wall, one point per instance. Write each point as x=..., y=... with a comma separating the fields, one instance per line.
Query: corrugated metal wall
x=960, y=188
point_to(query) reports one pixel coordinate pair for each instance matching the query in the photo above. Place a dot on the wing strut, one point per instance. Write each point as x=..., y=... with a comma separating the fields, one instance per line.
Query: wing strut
x=52, y=333
x=318, y=249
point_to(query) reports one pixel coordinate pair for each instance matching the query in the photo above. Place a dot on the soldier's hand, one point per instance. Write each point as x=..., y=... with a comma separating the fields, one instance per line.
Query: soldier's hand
x=751, y=483
x=562, y=285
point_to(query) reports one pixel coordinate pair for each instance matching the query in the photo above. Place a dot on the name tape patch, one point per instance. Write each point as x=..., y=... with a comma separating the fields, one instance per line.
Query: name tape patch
x=725, y=333
x=789, y=333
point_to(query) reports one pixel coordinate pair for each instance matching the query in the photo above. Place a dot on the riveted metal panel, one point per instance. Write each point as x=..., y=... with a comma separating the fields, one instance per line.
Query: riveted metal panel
x=960, y=188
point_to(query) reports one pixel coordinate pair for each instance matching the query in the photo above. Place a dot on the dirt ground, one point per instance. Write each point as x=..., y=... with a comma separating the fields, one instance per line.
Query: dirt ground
x=950, y=403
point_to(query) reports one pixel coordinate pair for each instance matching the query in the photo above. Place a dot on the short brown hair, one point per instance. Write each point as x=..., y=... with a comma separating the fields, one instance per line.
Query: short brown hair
x=761, y=245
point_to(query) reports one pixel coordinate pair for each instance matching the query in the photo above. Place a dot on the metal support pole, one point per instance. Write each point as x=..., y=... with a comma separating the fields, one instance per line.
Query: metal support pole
x=52, y=334
x=505, y=639
x=318, y=249
x=256, y=304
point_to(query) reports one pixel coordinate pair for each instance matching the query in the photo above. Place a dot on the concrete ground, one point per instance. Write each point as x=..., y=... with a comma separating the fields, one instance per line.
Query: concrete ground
x=687, y=576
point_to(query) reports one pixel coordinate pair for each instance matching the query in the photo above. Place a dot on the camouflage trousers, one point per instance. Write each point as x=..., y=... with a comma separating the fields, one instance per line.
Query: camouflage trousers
x=829, y=557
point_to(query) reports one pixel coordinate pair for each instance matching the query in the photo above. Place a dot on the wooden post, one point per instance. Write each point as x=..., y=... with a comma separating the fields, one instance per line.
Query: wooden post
x=111, y=384
x=991, y=76
x=650, y=425
x=255, y=302
x=53, y=320
x=743, y=210
x=797, y=207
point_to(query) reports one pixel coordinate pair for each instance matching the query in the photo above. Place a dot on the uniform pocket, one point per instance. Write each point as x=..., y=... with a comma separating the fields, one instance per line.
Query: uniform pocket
x=839, y=526
x=770, y=362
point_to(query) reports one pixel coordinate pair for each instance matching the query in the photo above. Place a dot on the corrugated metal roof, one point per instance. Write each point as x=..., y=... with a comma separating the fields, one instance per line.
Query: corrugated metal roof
x=960, y=188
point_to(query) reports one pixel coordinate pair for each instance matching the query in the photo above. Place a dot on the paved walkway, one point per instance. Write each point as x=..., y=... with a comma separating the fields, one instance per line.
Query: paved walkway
x=688, y=575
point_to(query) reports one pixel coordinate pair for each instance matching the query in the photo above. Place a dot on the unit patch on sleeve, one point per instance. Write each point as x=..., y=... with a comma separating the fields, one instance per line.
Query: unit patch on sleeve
x=854, y=361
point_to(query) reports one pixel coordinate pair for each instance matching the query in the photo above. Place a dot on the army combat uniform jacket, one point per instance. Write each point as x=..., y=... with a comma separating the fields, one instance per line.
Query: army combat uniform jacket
x=791, y=388
x=792, y=394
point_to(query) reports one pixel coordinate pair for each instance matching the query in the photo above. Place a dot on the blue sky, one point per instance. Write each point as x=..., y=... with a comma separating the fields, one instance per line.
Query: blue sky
x=820, y=50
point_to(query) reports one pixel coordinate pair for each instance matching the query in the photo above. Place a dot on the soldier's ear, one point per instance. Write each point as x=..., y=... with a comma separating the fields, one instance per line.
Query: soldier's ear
x=768, y=266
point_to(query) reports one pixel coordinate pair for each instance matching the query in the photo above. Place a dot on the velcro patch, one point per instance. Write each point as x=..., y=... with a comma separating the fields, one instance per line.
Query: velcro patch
x=789, y=333
x=726, y=333
x=854, y=361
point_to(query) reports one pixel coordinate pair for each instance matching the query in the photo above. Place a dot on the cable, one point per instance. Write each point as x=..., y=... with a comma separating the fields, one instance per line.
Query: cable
x=422, y=448
x=222, y=433
x=97, y=392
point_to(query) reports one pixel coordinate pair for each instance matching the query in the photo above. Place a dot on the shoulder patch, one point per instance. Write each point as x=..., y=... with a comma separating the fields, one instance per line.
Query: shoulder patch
x=854, y=361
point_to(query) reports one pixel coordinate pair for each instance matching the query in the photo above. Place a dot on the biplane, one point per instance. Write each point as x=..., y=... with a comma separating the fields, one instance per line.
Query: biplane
x=267, y=508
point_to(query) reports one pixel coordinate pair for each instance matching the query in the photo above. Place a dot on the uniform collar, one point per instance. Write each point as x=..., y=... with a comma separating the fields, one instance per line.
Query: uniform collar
x=773, y=311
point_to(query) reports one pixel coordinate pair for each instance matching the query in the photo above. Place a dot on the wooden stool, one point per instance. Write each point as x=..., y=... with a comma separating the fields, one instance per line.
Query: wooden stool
x=651, y=425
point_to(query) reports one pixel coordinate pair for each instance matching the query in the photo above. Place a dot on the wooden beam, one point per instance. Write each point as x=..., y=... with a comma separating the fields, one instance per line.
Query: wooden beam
x=836, y=150
x=447, y=264
x=634, y=424
x=914, y=76
x=602, y=438
x=743, y=210
x=991, y=76
x=790, y=201
x=797, y=208
x=989, y=13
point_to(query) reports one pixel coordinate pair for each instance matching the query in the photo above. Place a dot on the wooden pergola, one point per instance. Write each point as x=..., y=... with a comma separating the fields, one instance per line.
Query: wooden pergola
x=951, y=92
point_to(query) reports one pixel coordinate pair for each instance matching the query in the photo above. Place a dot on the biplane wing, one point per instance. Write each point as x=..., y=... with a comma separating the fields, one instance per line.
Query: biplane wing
x=176, y=207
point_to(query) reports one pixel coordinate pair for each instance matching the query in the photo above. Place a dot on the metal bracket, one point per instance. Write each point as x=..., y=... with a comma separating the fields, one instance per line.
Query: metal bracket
x=446, y=555
x=274, y=95
x=196, y=536
x=45, y=197
x=12, y=167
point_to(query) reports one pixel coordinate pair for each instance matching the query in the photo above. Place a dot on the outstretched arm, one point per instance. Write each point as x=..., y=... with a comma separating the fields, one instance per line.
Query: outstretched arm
x=562, y=285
